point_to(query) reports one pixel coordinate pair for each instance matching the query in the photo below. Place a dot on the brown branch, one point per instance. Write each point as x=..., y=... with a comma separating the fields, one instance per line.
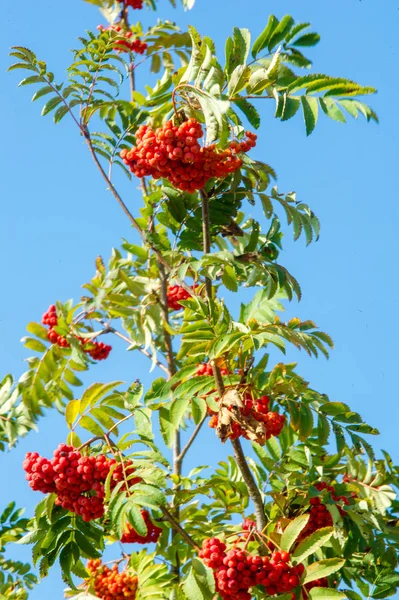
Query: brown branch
x=177, y=464
x=120, y=201
x=250, y=482
x=191, y=440
x=132, y=78
x=165, y=314
x=253, y=489
x=178, y=528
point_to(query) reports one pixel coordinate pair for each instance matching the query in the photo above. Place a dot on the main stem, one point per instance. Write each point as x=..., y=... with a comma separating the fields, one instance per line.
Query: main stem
x=177, y=461
x=242, y=463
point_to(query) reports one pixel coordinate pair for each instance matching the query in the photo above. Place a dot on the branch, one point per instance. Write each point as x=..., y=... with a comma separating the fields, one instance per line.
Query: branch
x=121, y=203
x=165, y=314
x=250, y=482
x=105, y=435
x=177, y=464
x=142, y=350
x=191, y=440
x=177, y=527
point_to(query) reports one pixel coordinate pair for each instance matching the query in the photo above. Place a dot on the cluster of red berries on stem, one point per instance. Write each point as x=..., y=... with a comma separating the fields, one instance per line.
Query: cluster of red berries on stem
x=236, y=571
x=258, y=409
x=97, y=350
x=175, y=295
x=206, y=369
x=173, y=152
x=136, y=4
x=123, y=40
x=109, y=584
x=153, y=532
x=77, y=480
x=319, y=513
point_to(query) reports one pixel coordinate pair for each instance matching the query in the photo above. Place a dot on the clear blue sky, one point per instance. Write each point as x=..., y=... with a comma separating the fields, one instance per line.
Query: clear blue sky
x=57, y=217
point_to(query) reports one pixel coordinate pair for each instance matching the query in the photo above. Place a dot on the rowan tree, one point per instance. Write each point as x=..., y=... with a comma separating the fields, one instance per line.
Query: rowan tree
x=311, y=512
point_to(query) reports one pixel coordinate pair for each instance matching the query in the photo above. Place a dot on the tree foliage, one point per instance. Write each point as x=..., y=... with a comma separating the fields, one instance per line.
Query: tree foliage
x=310, y=455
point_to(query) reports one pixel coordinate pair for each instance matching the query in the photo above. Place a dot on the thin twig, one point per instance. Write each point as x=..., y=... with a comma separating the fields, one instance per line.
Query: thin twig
x=107, y=434
x=191, y=440
x=142, y=350
x=120, y=201
x=177, y=527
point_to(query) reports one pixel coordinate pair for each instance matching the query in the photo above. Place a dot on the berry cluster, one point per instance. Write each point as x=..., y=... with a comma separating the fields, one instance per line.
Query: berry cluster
x=123, y=41
x=97, y=350
x=50, y=318
x=236, y=571
x=109, y=584
x=153, y=532
x=319, y=514
x=248, y=528
x=259, y=410
x=174, y=152
x=176, y=293
x=137, y=4
x=77, y=480
x=206, y=369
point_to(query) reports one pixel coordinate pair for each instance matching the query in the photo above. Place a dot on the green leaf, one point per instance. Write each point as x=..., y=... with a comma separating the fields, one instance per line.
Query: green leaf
x=37, y=330
x=310, y=113
x=305, y=422
x=31, y=79
x=199, y=583
x=177, y=410
x=166, y=427
x=237, y=49
x=308, y=39
x=136, y=519
x=262, y=41
x=34, y=345
x=281, y=31
x=249, y=111
x=229, y=278
x=95, y=392
x=71, y=412
x=331, y=109
x=325, y=594
x=214, y=111
x=312, y=543
x=60, y=113
x=91, y=426
x=51, y=104
x=239, y=79
x=198, y=409
x=290, y=108
x=323, y=568
x=323, y=429
x=292, y=532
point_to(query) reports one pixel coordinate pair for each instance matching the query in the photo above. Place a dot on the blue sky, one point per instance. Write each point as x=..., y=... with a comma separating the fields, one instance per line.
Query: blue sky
x=57, y=216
